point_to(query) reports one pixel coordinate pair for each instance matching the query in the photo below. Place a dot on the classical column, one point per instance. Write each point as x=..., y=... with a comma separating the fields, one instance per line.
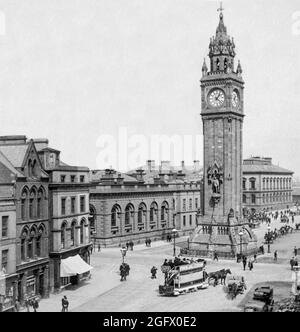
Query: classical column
x=46, y=282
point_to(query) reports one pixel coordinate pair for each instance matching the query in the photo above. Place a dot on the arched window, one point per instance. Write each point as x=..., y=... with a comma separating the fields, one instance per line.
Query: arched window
x=39, y=243
x=92, y=218
x=29, y=166
x=225, y=64
x=24, y=237
x=82, y=225
x=24, y=204
x=40, y=203
x=63, y=239
x=218, y=64
x=142, y=213
x=73, y=229
x=115, y=215
x=31, y=243
x=129, y=214
x=164, y=212
x=153, y=212
x=34, y=168
x=32, y=203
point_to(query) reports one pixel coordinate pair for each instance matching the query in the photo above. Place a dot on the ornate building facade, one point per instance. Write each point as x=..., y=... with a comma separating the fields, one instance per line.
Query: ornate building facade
x=32, y=222
x=266, y=187
x=222, y=104
x=142, y=205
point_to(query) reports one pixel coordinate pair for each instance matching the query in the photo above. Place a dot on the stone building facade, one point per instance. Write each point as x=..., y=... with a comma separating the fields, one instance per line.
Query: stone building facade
x=32, y=221
x=128, y=207
x=69, y=214
x=8, y=275
x=266, y=187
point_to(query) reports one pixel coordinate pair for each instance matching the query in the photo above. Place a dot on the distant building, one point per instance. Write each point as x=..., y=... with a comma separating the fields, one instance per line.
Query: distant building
x=143, y=204
x=8, y=275
x=296, y=195
x=69, y=216
x=266, y=187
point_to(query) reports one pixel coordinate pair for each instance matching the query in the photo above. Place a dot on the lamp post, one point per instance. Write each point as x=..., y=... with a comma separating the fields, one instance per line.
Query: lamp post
x=241, y=233
x=123, y=253
x=269, y=228
x=174, y=231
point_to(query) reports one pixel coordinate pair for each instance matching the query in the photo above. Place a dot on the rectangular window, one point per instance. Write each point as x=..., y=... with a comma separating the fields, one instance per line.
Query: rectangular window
x=82, y=203
x=184, y=221
x=191, y=220
x=23, y=243
x=81, y=178
x=4, y=260
x=62, y=178
x=184, y=204
x=196, y=203
x=73, y=202
x=72, y=178
x=38, y=246
x=244, y=184
x=190, y=204
x=5, y=226
x=63, y=206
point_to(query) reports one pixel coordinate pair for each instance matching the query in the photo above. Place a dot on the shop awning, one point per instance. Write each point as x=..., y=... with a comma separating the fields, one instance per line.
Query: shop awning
x=73, y=265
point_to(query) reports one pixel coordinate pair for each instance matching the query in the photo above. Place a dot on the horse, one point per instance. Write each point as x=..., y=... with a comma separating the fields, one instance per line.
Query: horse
x=219, y=275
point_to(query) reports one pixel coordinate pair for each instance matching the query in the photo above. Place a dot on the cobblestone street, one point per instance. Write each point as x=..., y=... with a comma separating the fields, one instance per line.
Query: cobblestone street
x=105, y=292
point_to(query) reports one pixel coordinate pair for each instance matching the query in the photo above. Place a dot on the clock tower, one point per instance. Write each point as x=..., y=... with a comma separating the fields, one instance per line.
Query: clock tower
x=221, y=227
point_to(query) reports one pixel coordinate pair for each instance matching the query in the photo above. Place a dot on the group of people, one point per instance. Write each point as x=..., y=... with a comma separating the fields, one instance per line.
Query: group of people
x=148, y=242
x=178, y=261
x=250, y=261
x=129, y=244
x=34, y=303
x=169, y=238
x=124, y=271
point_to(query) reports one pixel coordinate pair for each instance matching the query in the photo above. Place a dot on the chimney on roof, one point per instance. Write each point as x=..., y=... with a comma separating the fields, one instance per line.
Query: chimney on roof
x=150, y=165
x=40, y=143
x=140, y=175
x=165, y=165
x=182, y=165
x=196, y=165
x=13, y=140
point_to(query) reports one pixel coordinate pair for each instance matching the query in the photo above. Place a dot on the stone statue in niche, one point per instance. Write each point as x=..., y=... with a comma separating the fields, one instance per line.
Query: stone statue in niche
x=215, y=178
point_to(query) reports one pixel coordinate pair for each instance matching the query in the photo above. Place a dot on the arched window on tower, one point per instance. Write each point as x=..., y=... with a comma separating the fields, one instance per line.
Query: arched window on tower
x=225, y=64
x=218, y=64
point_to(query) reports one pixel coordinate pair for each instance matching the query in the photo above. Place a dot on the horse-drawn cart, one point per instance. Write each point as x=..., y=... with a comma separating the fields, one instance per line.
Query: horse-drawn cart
x=235, y=285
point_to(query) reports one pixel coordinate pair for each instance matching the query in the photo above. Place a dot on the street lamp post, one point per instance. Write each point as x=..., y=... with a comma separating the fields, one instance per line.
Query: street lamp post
x=269, y=228
x=241, y=233
x=123, y=253
x=174, y=231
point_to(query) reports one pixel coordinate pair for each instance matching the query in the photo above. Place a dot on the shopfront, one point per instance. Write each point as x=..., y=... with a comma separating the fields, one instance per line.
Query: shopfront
x=7, y=292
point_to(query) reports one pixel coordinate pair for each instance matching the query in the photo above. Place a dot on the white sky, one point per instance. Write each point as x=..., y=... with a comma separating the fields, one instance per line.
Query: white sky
x=73, y=70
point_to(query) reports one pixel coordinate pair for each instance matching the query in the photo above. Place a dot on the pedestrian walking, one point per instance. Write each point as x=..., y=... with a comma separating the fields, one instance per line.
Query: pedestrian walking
x=127, y=245
x=17, y=306
x=65, y=304
x=244, y=262
x=99, y=247
x=131, y=245
x=255, y=257
x=250, y=265
x=295, y=251
x=216, y=256
x=27, y=304
x=149, y=241
x=35, y=305
x=275, y=255
x=153, y=272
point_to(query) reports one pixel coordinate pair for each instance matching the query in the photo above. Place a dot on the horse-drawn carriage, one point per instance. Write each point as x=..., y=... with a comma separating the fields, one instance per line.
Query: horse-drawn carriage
x=235, y=285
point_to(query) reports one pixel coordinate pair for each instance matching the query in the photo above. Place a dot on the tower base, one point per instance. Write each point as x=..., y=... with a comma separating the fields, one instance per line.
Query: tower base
x=222, y=238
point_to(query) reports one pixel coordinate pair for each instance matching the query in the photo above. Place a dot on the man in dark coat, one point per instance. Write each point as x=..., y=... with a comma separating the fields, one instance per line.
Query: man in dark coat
x=65, y=304
x=153, y=272
x=244, y=262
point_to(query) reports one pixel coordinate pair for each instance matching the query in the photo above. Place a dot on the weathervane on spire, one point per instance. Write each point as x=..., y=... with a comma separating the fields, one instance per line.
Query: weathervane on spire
x=221, y=9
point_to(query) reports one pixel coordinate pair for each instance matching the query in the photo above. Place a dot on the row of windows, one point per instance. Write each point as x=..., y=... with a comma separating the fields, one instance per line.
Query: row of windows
x=32, y=242
x=33, y=204
x=74, y=241
x=272, y=198
x=72, y=178
x=73, y=205
x=116, y=213
x=269, y=183
x=184, y=220
x=190, y=204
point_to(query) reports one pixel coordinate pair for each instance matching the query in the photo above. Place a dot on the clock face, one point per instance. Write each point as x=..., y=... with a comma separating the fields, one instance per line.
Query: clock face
x=216, y=98
x=235, y=99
